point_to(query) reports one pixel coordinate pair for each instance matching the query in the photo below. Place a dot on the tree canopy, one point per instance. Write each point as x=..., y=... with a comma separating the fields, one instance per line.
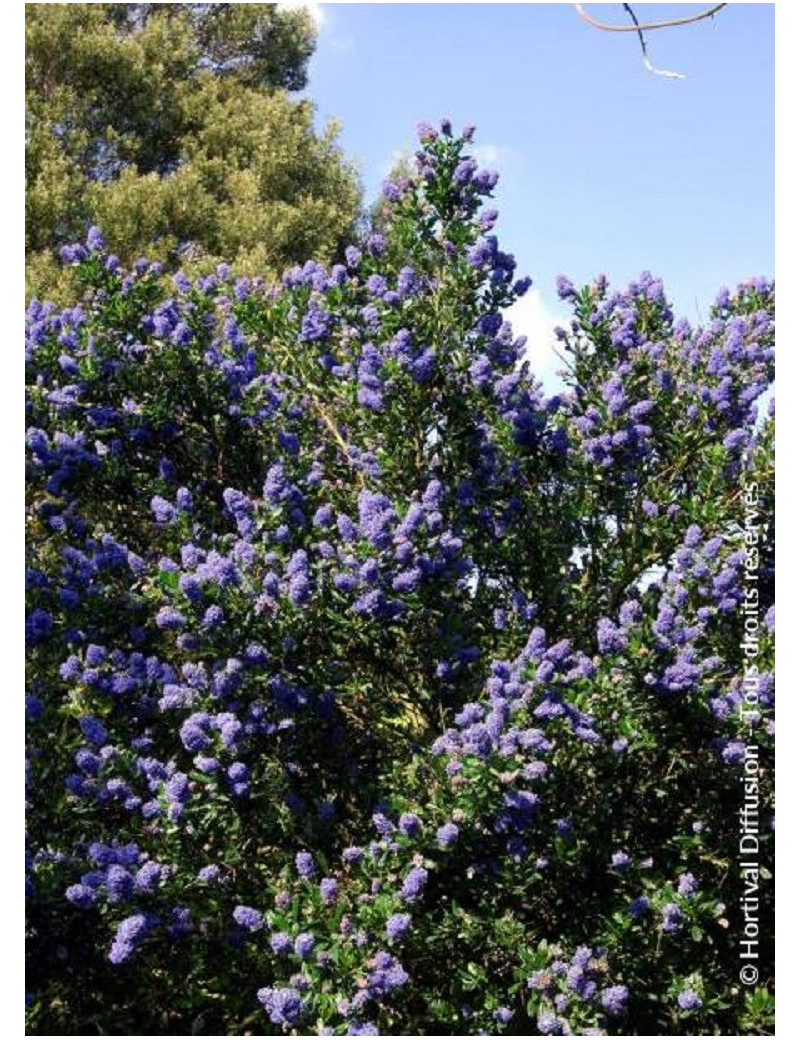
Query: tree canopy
x=173, y=126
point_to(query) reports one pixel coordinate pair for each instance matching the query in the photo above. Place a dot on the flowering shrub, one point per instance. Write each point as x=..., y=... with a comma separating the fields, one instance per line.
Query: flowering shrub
x=372, y=689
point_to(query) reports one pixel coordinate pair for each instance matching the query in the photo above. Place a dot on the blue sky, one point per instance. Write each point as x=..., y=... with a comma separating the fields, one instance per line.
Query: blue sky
x=603, y=165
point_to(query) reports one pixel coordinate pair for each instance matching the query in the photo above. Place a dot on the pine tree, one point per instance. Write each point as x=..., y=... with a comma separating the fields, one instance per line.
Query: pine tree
x=173, y=126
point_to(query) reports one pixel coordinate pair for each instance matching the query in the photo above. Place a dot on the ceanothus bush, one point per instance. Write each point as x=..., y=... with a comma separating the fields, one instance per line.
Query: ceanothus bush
x=373, y=689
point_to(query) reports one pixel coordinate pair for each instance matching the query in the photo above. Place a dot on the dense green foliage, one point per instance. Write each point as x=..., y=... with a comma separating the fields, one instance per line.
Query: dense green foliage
x=172, y=126
x=372, y=688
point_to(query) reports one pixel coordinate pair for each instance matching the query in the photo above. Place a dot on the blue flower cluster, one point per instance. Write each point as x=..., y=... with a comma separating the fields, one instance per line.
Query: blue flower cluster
x=572, y=990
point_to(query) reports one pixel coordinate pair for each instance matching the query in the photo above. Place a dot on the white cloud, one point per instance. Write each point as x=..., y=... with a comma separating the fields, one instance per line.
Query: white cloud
x=315, y=10
x=531, y=317
x=397, y=156
x=338, y=43
x=490, y=154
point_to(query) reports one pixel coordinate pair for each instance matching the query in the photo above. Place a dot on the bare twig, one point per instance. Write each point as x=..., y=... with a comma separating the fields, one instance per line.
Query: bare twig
x=640, y=29
x=645, y=57
x=647, y=26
